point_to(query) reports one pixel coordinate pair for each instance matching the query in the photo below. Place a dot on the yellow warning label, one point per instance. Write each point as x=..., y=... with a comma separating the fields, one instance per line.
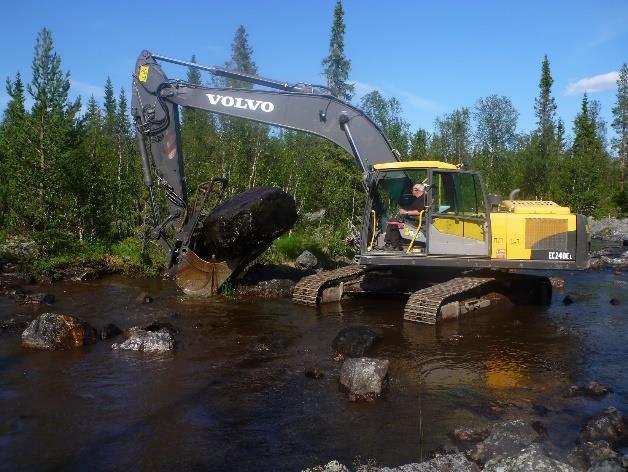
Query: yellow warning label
x=143, y=75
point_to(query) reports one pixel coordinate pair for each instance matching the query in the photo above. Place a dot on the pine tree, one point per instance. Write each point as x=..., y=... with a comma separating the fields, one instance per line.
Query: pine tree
x=336, y=64
x=620, y=125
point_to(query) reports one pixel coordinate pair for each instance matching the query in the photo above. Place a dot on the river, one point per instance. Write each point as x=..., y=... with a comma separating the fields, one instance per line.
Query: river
x=220, y=403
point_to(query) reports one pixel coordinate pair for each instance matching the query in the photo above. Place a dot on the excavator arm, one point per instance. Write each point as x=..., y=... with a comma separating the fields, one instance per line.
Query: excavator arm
x=302, y=107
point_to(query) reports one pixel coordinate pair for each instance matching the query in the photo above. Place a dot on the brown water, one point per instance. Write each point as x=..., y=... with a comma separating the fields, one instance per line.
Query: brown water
x=217, y=403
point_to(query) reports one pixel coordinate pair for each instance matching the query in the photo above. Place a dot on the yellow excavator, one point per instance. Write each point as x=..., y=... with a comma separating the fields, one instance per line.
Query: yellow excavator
x=460, y=245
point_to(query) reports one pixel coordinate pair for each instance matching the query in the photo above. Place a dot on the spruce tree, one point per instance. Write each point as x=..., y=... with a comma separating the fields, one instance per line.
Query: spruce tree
x=620, y=125
x=15, y=171
x=242, y=143
x=197, y=137
x=110, y=109
x=586, y=190
x=419, y=144
x=241, y=59
x=336, y=64
x=541, y=160
x=51, y=137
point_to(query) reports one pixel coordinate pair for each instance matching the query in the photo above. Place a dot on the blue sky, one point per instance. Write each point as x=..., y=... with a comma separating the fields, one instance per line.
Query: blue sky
x=432, y=56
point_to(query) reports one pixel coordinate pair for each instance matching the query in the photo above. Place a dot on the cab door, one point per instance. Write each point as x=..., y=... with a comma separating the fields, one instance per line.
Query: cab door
x=457, y=214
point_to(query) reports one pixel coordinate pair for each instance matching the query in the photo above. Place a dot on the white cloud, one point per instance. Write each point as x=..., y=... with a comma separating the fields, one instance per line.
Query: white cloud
x=87, y=90
x=597, y=83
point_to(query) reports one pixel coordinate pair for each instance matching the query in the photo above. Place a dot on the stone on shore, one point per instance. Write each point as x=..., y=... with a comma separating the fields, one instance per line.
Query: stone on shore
x=505, y=440
x=306, y=261
x=332, y=466
x=52, y=331
x=364, y=378
x=142, y=340
x=469, y=435
x=531, y=458
x=447, y=462
x=354, y=341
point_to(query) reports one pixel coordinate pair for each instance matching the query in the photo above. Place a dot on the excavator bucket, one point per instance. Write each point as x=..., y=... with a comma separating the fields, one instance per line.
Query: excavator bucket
x=233, y=234
x=198, y=277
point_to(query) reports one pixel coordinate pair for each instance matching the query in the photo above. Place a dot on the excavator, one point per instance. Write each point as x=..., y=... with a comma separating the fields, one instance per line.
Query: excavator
x=462, y=244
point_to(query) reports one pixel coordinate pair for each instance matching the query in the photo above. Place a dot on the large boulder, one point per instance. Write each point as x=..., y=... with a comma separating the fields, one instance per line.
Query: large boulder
x=607, y=425
x=142, y=340
x=445, y=463
x=531, y=458
x=52, y=331
x=364, y=378
x=246, y=224
x=354, y=341
x=506, y=439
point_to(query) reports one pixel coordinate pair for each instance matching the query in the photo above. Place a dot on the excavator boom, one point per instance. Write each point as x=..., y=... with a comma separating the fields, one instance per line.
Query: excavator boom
x=302, y=107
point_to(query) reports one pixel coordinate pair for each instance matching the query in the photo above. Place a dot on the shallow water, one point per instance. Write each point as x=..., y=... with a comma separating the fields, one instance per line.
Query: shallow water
x=217, y=403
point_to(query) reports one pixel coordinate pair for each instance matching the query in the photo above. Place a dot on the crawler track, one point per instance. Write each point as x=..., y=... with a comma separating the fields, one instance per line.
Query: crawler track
x=308, y=289
x=423, y=305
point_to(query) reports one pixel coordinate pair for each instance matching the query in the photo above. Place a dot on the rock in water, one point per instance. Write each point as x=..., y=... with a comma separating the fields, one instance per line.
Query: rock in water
x=52, y=331
x=354, y=341
x=142, y=340
x=246, y=224
x=364, y=378
x=607, y=425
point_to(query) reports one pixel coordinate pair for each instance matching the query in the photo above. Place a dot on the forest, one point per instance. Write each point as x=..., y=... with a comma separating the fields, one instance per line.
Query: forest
x=71, y=176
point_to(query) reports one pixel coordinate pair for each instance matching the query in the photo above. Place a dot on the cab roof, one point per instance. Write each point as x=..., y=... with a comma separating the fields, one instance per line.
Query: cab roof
x=415, y=165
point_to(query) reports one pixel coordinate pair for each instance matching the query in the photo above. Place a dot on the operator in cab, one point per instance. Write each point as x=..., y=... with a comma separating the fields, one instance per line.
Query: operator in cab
x=410, y=212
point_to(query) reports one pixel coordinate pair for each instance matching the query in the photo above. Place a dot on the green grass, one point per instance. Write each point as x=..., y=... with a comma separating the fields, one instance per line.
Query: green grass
x=58, y=252
x=327, y=245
